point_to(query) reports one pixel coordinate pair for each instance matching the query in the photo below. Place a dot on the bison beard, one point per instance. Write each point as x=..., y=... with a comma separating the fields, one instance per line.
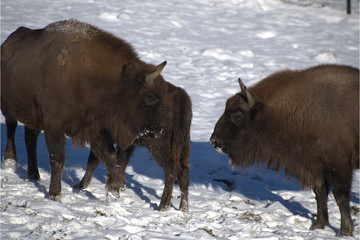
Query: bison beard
x=75, y=79
x=305, y=122
x=171, y=150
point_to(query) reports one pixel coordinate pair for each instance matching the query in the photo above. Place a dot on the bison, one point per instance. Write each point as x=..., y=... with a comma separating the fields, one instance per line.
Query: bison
x=171, y=149
x=306, y=122
x=73, y=78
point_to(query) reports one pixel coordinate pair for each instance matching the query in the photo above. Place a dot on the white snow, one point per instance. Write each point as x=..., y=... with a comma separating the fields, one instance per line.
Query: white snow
x=208, y=45
x=9, y=164
x=74, y=26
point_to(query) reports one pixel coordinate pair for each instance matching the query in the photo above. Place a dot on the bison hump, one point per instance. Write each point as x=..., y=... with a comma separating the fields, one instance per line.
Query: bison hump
x=73, y=27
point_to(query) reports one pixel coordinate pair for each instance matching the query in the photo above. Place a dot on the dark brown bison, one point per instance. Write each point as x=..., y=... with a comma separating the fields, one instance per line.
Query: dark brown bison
x=306, y=122
x=75, y=79
x=171, y=149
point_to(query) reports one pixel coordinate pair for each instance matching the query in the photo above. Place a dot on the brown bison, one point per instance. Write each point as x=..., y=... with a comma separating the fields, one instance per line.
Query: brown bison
x=306, y=122
x=171, y=149
x=75, y=79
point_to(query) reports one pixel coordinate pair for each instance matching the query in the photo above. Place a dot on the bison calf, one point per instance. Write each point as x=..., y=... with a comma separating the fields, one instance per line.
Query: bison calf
x=75, y=79
x=171, y=149
x=306, y=122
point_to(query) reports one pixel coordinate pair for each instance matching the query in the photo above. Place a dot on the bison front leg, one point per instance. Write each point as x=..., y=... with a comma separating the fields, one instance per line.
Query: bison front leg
x=92, y=164
x=123, y=158
x=56, y=146
x=10, y=158
x=168, y=188
x=321, y=196
x=105, y=150
x=31, y=136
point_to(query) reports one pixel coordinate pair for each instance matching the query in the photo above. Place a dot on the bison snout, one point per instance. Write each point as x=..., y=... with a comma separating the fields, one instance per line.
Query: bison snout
x=218, y=144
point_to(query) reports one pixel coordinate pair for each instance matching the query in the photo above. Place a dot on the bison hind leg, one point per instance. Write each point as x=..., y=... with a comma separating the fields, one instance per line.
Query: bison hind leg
x=183, y=181
x=31, y=144
x=321, y=196
x=342, y=197
x=55, y=141
x=169, y=171
x=92, y=164
x=10, y=159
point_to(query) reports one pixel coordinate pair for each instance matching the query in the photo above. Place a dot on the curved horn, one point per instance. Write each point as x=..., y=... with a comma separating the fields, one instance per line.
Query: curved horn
x=149, y=79
x=244, y=90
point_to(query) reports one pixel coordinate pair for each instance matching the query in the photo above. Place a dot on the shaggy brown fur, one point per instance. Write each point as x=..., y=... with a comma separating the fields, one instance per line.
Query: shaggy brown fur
x=303, y=121
x=75, y=79
x=171, y=150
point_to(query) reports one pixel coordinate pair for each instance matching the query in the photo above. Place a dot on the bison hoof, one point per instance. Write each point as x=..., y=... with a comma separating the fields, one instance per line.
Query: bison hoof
x=10, y=164
x=34, y=177
x=345, y=232
x=318, y=225
x=184, y=207
x=113, y=193
x=163, y=208
x=56, y=198
x=78, y=187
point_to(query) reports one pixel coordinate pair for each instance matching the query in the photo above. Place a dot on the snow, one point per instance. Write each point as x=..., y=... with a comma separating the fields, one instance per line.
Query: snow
x=208, y=45
x=74, y=26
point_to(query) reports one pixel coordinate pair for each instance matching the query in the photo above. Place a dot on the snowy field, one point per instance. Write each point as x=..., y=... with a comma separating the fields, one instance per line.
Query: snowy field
x=208, y=45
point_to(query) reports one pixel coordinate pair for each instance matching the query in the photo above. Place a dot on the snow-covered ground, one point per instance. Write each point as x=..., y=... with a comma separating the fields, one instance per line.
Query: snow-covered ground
x=208, y=44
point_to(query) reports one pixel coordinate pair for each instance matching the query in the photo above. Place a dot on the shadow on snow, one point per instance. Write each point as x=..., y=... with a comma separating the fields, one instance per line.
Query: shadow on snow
x=207, y=167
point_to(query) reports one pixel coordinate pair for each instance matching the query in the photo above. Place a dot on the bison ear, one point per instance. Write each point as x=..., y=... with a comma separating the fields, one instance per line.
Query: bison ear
x=128, y=67
x=127, y=73
x=246, y=92
x=149, y=79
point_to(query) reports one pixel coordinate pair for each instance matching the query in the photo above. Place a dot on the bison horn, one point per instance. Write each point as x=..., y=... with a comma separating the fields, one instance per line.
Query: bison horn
x=149, y=79
x=244, y=90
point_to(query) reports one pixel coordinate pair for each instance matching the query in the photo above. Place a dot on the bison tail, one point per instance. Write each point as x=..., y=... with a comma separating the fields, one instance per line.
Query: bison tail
x=181, y=129
x=356, y=162
x=181, y=153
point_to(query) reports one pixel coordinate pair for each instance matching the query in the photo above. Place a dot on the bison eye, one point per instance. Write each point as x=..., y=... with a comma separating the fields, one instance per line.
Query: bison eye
x=151, y=99
x=236, y=117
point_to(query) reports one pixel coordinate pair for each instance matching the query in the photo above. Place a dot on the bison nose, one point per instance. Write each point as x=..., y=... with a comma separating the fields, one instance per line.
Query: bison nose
x=216, y=142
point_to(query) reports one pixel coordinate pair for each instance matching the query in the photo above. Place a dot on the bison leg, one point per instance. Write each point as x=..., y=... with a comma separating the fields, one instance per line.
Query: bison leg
x=123, y=158
x=342, y=197
x=56, y=145
x=168, y=188
x=10, y=158
x=31, y=136
x=321, y=196
x=183, y=181
x=105, y=150
x=92, y=164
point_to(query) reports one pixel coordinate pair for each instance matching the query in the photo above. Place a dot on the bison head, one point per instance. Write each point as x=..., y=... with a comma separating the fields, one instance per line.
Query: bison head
x=143, y=94
x=238, y=126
